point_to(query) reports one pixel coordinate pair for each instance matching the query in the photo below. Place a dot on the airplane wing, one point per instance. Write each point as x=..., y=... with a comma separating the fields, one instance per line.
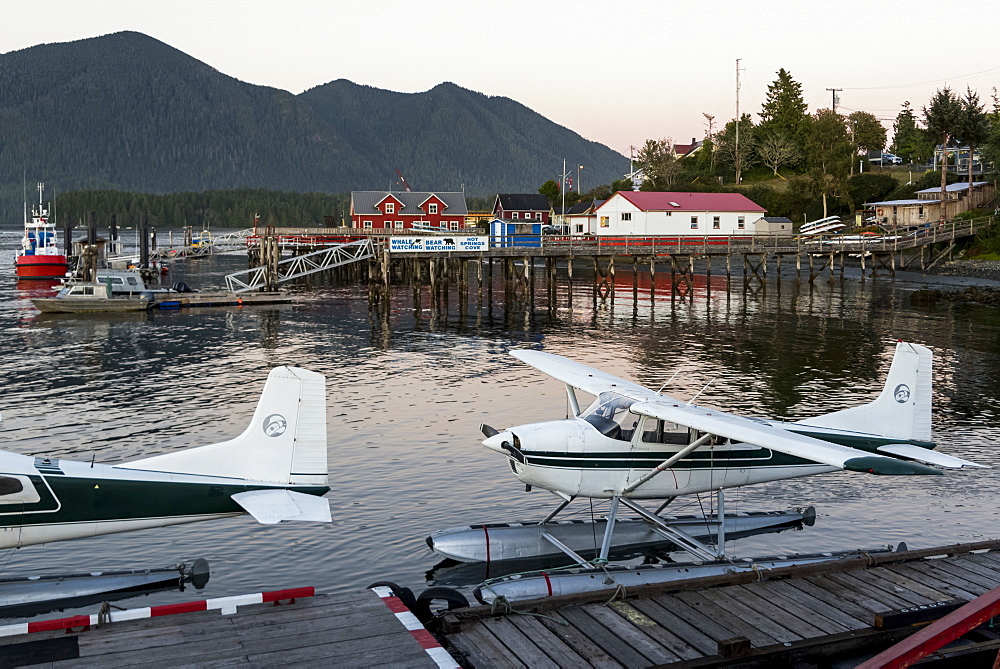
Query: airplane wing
x=749, y=431
x=272, y=506
x=578, y=375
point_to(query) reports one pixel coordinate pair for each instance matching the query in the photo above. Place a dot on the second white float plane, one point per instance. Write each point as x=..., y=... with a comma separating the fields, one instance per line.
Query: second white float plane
x=635, y=444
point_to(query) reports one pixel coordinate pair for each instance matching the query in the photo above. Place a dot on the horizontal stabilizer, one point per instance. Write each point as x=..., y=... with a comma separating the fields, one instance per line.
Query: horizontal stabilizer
x=273, y=506
x=930, y=457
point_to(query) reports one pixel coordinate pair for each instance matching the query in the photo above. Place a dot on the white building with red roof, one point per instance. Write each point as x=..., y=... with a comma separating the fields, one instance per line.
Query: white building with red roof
x=697, y=214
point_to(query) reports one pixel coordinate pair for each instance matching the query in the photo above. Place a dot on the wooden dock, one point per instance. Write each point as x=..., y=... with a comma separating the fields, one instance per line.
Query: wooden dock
x=217, y=299
x=356, y=630
x=813, y=613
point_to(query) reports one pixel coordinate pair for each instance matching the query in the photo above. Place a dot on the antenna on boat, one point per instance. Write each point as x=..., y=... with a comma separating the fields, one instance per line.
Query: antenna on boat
x=702, y=390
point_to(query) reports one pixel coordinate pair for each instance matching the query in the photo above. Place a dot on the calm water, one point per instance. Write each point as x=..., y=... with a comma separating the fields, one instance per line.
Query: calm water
x=405, y=402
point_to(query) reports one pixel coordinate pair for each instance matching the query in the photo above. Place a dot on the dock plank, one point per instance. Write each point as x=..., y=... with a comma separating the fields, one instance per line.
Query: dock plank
x=579, y=641
x=733, y=602
x=945, y=575
x=599, y=634
x=877, y=581
x=875, y=600
x=633, y=634
x=652, y=628
x=558, y=650
x=987, y=577
x=820, y=606
x=518, y=643
x=739, y=626
x=682, y=629
x=985, y=563
x=780, y=612
x=917, y=572
x=705, y=623
x=813, y=618
x=482, y=649
x=895, y=575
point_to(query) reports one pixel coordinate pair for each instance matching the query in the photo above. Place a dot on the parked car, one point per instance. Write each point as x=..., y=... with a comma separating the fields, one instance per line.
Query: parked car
x=881, y=158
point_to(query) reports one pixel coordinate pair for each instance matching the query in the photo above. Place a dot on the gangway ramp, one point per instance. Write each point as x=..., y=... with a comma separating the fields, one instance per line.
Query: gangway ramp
x=256, y=278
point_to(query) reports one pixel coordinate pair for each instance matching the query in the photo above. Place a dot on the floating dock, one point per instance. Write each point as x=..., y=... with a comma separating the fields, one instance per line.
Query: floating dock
x=814, y=613
x=367, y=628
x=217, y=299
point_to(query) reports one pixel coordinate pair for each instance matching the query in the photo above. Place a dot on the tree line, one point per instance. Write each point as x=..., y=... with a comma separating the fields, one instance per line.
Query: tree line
x=822, y=156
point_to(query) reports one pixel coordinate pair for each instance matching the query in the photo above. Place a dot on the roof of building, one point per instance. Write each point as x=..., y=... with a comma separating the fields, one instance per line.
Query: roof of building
x=682, y=150
x=900, y=203
x=366, y=201
x=523, y=201
x=776, y=219
x=583, y=207
x=656, y=201
x=954, y=188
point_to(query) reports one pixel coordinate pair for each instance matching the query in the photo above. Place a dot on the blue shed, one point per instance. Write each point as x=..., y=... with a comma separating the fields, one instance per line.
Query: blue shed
x=506, y=233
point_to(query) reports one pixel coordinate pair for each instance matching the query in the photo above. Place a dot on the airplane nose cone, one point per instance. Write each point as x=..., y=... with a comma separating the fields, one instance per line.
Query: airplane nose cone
x=495, y=442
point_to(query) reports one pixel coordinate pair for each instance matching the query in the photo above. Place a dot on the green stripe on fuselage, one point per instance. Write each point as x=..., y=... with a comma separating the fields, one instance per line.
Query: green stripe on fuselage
x=86, y=500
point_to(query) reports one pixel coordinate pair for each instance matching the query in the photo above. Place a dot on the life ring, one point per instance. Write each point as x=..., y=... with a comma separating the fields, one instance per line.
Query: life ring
x=878, y=212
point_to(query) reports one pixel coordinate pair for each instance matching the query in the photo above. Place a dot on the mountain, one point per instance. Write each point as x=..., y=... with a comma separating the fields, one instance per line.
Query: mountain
x=126, y=111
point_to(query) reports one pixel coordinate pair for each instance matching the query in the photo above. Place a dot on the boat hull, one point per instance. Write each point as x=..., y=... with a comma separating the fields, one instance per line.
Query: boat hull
x=40, y=267
x=55, y=305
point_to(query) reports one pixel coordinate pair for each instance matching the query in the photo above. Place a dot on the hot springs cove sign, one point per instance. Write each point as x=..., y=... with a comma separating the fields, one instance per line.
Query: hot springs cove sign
x=432, y=244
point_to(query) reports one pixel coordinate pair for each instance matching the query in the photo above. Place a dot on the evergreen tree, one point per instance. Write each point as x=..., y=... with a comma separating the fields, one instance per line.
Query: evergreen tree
x=784, y=110
x=908, y=140
x=828, y=151
x=973, y=127
x=943, y=118
x=867, y=133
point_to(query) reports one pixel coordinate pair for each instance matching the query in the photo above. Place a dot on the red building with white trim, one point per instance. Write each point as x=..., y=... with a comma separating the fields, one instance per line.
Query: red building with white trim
x=391, y=210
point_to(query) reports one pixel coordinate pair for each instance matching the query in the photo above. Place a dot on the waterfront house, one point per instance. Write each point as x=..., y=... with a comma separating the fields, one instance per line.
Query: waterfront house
x=689, y=214
x=396, y=210
x=522, y=207
x=773, y=225
x=926, y=206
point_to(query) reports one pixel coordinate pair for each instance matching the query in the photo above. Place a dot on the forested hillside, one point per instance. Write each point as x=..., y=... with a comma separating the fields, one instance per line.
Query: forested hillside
x=125, y=111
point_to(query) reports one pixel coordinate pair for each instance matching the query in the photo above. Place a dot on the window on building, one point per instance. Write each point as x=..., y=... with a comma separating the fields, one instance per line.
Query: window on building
x=716, y=222
x=399, y=225
x=920, y=211
x=694, y=222
x=368, y=225
x=605, y=221
x=513, y=215
x=579, y=228
x=741, y=222
x=432, y=208
x=454, y=225
x=668, y=212
x=626, y=215
x=390, y=207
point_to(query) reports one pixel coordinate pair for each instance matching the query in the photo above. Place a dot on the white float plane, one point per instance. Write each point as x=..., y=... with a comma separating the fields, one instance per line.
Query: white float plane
x=276, y=470
x=635, y=444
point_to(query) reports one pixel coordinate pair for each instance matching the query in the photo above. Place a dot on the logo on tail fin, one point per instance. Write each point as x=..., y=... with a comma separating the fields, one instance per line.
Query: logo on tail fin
x=275, y=425
x=902, y=393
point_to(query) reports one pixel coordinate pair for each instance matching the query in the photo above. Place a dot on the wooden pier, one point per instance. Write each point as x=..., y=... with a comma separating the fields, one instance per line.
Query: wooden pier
x=812, y=614
x=355, y=630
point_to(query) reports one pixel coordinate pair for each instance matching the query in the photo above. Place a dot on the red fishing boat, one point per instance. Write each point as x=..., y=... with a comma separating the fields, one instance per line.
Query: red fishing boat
x=39, y=257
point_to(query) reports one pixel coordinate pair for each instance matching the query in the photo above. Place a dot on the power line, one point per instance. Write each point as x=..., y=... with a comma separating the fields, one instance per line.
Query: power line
x=923, y=83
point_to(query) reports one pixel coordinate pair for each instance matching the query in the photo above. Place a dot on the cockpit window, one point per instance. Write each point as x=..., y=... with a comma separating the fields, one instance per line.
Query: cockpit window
x=9, y=485
x=611, y=416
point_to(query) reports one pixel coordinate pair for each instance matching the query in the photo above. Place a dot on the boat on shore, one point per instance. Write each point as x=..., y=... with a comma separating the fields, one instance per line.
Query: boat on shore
x=39, y=257
x=88, y=297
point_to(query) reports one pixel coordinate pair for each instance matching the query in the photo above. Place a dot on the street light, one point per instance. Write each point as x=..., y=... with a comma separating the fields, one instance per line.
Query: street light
x=579, y=167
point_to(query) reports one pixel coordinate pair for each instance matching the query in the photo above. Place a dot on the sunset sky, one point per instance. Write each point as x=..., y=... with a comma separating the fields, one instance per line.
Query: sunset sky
x=617, y=73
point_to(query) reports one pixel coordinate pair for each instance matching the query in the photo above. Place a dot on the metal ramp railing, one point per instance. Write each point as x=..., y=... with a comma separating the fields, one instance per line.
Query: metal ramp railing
x=299, y=266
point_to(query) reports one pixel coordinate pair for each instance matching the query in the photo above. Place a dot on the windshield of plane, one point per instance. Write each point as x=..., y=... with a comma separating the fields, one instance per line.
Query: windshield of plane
x=611, y=416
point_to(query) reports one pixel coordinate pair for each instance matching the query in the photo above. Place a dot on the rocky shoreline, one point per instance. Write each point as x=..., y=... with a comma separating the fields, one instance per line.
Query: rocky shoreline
x=978, y=269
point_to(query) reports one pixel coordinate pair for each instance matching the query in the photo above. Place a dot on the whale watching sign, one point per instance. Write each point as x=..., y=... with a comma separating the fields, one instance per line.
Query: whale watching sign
x=432, y=244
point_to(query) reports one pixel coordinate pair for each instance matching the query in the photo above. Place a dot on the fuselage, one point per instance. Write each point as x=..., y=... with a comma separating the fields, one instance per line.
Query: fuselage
x=594, y=458
x=43, y=500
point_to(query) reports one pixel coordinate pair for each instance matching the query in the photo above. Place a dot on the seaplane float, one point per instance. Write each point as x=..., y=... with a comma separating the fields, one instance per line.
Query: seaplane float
x=633, y=444
x=276, y=470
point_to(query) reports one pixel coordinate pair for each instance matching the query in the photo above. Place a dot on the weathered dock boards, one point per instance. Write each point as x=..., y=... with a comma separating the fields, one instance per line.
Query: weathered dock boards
x=217, y=299
x=356, y=630
x=790, y=615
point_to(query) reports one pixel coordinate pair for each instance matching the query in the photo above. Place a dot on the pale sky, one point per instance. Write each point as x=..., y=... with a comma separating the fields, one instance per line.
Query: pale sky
x=614, y=72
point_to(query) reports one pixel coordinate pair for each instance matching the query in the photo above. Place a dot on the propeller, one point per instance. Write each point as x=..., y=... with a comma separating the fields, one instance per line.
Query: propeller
x=487, y=430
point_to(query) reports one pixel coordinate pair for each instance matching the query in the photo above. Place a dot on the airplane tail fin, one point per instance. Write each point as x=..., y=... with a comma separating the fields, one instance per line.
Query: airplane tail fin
x=285, y=442
x=903, y=409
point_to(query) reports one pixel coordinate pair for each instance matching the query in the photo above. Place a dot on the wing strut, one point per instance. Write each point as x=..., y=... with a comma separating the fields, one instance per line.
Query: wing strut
x=666, y=464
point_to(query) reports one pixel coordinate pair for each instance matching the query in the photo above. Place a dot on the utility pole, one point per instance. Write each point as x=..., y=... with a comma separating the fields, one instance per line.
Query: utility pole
x=833, y=92
x=562, y=189
x=737, y=151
